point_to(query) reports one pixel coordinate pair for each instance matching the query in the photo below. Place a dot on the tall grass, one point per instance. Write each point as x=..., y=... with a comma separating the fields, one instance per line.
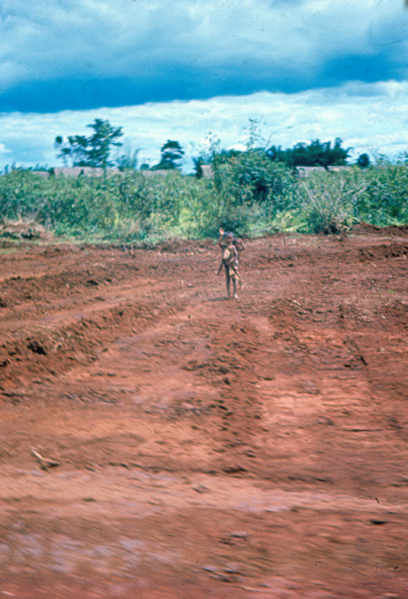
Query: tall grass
x=248, y=194
x=329, y=201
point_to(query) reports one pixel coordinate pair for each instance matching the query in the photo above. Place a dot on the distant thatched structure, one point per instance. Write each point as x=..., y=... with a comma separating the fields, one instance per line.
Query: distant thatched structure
x=306, y=171
x=75, y=171
x=42, y=174
x=159, y=171
x=88, y=171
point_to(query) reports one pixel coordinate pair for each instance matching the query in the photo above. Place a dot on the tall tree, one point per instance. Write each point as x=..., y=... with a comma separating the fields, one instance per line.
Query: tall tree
x=171, y=156
x=363, y=161
x=94, y=150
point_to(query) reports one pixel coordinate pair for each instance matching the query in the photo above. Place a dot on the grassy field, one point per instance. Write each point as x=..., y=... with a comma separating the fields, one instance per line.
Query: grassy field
x=248, y=194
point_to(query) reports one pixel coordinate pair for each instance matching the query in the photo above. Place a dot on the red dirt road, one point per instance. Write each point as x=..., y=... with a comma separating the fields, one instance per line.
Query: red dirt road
x=206, y=447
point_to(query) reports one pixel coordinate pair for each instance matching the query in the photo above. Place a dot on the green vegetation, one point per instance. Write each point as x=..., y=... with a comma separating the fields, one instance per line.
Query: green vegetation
x=248, y=194
x=171, y=156
x=363, y=161
x=93, y=151
x=314, y=154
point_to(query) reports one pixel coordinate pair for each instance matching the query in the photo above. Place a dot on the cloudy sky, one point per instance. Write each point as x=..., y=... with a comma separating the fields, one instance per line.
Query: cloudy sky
x=180, y=69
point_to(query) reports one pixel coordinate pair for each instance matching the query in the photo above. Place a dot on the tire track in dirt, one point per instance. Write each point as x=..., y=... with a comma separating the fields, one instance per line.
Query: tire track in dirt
x=260, y=443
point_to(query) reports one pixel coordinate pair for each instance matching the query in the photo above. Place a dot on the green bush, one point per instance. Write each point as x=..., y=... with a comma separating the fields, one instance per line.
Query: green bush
x=249, y=194
x=329, y=199
x=385, y=201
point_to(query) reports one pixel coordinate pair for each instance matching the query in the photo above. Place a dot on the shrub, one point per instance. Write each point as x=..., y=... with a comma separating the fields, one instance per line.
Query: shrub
x=329, y=201
x=249, y=194
x=385, y=201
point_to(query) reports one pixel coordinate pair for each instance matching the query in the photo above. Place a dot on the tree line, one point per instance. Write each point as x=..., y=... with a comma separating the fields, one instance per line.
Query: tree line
x=250, y=192
x=96, y=149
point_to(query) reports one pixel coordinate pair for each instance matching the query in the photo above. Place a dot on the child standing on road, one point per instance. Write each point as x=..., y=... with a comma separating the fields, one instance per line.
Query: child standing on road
x=230, y=260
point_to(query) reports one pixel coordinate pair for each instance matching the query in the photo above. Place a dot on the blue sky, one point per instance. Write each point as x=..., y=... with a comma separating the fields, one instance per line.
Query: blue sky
x=179, y=69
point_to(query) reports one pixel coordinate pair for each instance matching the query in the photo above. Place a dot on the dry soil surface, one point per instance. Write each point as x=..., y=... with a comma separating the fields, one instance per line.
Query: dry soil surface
x=205, y=447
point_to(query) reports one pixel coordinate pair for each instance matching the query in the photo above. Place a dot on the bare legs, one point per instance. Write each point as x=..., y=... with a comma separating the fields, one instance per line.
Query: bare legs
x=228, y=283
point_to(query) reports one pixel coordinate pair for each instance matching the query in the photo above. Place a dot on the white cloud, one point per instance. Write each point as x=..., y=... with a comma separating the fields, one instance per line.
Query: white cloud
x=368, y=117
x=4, y=149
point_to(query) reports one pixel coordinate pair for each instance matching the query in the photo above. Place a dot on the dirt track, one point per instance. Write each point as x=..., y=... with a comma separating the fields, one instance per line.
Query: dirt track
x=250, y=448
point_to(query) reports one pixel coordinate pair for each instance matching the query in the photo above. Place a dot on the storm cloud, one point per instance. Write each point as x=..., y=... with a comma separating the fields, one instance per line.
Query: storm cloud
x=83, y=54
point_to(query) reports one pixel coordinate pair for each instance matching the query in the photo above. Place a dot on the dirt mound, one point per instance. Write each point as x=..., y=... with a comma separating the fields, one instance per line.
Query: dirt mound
x=378, y=252
x=201, y=446
x=176, y=246
x=367, y=229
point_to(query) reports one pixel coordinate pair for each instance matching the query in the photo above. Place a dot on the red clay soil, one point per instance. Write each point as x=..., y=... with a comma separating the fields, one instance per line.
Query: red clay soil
x=206, y=447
